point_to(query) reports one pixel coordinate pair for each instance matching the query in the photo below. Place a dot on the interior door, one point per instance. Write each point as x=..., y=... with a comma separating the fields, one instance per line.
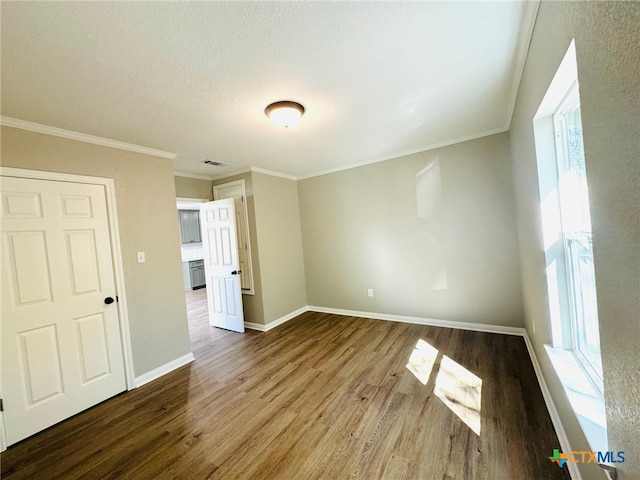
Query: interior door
x=60, y=333
x=221, y=264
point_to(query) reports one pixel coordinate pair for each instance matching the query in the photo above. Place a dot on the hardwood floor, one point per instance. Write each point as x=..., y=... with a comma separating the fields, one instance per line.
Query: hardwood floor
x=322, y=396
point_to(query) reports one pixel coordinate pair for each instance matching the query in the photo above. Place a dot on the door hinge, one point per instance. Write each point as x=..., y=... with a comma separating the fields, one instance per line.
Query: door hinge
x=242, y=197
x=1, y=405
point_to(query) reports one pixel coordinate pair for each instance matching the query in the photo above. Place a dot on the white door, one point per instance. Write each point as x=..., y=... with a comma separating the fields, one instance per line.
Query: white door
x=221, y=265
x=237, y=191
x=60, y=333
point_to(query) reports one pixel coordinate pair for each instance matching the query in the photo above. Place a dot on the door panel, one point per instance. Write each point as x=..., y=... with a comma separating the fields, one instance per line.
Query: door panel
x=61, y=344
x=81, y=252
x=40, y=365
x=221, y=265
x=30, y=280
x=21, y=205
x=93, y=348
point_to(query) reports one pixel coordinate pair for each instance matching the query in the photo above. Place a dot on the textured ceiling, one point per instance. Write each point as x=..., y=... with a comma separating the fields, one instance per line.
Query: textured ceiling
x=377, y=79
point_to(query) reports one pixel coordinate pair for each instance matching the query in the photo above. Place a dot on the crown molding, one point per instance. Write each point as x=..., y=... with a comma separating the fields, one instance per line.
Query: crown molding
x=176, y=173
x=82, y=137
x=522, y=50
x=263, y=171
x=272, y=173
x=406, y=153
x=232, y=173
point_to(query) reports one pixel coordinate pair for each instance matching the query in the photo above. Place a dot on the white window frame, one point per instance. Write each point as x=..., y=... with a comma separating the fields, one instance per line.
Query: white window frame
x=575, y=324
x=583, y=393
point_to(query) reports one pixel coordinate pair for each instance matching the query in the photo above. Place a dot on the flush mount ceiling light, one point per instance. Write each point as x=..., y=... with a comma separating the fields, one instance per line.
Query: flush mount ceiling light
x=285, y=113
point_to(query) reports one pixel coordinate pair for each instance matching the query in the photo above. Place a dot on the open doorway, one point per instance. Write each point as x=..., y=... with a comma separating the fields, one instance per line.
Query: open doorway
x=191, y=250
x=210, y=247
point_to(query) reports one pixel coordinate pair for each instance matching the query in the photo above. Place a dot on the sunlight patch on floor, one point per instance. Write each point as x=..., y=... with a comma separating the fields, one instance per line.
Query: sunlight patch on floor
x=458, y=388
x=421, y=361
x=461, y=391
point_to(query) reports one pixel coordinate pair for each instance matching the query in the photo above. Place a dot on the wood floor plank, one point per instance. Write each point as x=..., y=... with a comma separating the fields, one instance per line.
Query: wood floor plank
x=320, y=397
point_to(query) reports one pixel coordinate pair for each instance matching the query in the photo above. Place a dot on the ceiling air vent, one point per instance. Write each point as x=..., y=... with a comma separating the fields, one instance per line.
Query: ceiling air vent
x=214, y=163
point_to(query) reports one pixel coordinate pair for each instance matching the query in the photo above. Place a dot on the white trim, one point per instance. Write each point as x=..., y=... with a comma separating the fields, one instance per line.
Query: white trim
x=434, y=146
x=232, y=173
x=125, y=333
x=189, y=204
x=389, y=317
x=191, y=200
x=83, y=137
x=476, y=327
x=53, y=176
x=522, y=51
x=109, y=185
x=264, y=171
x=285, y=318
x=565, y=445
x=176, y=173
x=564, y=78
x=164, y=369
x=234, y=183
x=255, y=326
x=3, y=438
x=447, y=143
x=247, y=239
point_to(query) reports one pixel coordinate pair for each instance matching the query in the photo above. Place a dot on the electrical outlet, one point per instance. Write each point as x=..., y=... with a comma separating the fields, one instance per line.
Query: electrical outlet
x=141, y=257
x=370, y=292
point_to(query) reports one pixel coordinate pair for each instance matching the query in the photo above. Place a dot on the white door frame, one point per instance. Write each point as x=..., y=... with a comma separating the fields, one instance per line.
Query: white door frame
x=245, y=201
x=118, y=270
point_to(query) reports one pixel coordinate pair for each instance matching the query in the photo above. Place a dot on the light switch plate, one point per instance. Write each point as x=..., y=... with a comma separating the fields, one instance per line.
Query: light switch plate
x=141, y=258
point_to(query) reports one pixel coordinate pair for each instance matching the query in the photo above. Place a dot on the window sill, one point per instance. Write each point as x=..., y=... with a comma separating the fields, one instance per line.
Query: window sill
x=586, y=402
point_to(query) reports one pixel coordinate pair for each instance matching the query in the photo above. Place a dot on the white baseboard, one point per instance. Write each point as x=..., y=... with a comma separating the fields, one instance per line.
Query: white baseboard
x=3, y=438
x=565, y=446
x=389, y=317
x=423, y=321
x=163, y=370
x=264, y=328
x=255, y=326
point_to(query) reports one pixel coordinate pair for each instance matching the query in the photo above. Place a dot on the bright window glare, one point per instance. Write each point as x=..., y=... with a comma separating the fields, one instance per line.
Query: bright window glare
x=551, y=223
x=554, y=304
x=577, y=238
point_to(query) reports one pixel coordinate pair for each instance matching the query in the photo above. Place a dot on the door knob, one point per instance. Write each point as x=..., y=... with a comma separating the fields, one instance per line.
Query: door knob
x=109, y=300
x=236, y=272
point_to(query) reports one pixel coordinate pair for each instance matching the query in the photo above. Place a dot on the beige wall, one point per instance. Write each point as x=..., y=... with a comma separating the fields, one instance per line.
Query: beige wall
x=279, y=245
x=607, y=36
x=432, y=233
x=145, y=198
x=187, y=187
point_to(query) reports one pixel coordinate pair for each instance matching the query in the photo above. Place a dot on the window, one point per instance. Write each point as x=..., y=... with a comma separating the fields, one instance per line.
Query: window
x=566, y=227
x=575, y=218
